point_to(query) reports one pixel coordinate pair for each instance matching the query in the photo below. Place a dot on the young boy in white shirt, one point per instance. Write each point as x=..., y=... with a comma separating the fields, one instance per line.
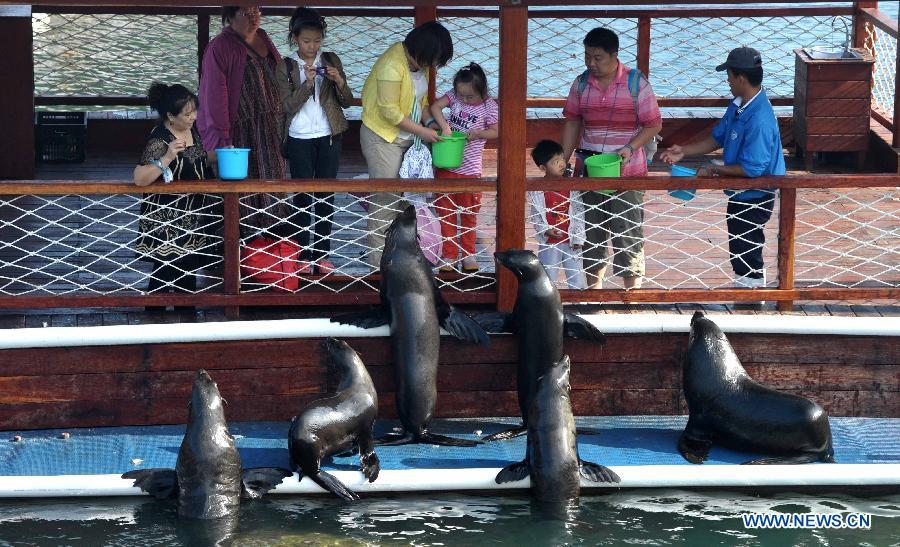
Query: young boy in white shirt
x=558, y=219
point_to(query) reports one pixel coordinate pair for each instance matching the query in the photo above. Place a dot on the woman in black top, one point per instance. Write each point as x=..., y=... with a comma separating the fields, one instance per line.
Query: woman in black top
x=176, y=229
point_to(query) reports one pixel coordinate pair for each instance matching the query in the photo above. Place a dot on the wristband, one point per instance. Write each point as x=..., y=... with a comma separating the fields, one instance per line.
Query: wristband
x=166, y=172
x=629, y=147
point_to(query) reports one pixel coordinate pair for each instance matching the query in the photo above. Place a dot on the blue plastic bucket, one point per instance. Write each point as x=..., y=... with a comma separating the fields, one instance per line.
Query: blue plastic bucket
x=232, y=163
x=679, y=171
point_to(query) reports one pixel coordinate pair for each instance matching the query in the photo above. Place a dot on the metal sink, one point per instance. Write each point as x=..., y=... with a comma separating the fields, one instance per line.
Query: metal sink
x=820, y=53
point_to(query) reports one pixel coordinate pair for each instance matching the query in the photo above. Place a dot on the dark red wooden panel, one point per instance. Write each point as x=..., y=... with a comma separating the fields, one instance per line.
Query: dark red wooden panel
x=837, y=90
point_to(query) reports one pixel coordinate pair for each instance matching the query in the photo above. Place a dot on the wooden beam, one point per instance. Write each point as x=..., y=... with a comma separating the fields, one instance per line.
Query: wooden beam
x=231, y=250
x=202, y=40
x=700, y=102
x=861, y=28
x=423, y=14
x=17, y=94
x=656, y=181
x=787, y=216
x=350, y=297
x=510, y=156
x=643, y=45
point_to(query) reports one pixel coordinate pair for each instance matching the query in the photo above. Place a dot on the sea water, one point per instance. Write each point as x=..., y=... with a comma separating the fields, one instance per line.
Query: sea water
x=638, y=517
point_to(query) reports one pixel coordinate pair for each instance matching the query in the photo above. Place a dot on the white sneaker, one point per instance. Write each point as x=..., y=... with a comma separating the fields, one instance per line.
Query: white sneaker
x=744, y=282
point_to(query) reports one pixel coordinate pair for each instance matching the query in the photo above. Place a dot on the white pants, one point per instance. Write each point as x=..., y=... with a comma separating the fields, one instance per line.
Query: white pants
x=561, y=256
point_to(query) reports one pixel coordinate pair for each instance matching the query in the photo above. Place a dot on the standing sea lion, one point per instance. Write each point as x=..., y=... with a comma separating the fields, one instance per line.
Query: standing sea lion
x=334, y=424
x=539, y=323
x=207, y=478
x=552, y=455
x=726, y=405
x=413, y=306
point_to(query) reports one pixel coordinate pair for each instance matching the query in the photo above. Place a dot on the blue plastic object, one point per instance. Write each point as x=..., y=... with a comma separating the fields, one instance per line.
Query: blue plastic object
x=679, y=171
x=232, y=163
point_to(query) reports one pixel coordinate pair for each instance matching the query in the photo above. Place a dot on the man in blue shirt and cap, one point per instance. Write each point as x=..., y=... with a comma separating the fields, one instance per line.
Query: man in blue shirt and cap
x=751, y=142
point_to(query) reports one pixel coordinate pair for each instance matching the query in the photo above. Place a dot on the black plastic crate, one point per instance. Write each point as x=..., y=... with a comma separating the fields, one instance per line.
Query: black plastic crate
x=60, y=136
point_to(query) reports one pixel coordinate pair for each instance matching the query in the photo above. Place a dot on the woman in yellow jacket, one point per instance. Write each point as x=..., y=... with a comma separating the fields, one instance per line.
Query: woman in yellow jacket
x=398, y=80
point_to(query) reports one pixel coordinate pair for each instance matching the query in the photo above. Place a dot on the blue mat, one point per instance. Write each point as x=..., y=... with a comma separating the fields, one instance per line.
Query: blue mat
x=622, y=440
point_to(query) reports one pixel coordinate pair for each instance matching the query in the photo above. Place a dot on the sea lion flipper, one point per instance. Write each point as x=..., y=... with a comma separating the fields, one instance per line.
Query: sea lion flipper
x=376, y=317
x=159, y=483
x=333, y=485
x=513, y=472
x=395, y=439
x=370, y=466
x=504, y=435
x=433, y=438
x=577, y=327
x=693, y=449
x=495, y=322
x=258, y=481
x=462, y=326
x=797, y=459
x=597, y=473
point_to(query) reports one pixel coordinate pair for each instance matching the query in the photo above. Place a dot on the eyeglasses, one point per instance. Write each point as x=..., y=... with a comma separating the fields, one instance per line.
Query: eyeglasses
x=249, y=12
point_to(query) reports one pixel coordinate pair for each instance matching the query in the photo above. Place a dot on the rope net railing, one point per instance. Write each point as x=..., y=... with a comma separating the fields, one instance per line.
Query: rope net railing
x=275, y=227
x=106, y=244
x=157, y=243
x=847, y=238
x=883, y=46
x=121, y=54
x=683, y=53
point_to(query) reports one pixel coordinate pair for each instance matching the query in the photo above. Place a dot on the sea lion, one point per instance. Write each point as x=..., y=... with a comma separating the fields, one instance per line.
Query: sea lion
x=413, y=306
x=552, y=455
x=334, y=424
x=728, y=406
x=207, y=479
x=539, y=323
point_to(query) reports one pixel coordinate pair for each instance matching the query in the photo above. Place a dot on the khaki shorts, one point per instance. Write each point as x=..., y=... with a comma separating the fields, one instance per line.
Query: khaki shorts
x=383, y=160
x=619, y=218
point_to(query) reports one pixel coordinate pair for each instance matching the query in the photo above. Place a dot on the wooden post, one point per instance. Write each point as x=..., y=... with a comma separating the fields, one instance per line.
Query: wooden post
x=17, y=93
x=643, y=45
x=202, y=41
x=862, y=29
x=511, y=152
x=423, y=14
x=232, y=257
x=896, y=143
x=787, y=232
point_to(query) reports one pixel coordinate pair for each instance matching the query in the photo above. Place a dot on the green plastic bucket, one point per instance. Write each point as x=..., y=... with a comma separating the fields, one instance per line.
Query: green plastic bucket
x=448, y=153
x=605, y=166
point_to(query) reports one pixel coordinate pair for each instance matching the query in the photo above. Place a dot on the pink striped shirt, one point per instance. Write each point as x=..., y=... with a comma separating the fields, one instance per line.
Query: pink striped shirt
x=609, y=119
x=465, y=117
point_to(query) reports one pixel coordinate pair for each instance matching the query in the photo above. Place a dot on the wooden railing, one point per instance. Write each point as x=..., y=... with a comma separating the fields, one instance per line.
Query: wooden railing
x=871, y=16
x=511, y=184
x=510, y=234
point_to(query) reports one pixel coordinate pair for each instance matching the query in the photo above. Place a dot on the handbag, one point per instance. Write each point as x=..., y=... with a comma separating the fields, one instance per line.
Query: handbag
x=271, y=262
x=428, y=227
x=417, y=160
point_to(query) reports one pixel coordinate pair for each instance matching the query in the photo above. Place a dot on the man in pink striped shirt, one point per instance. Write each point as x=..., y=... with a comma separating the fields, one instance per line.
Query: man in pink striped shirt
x=603, y=116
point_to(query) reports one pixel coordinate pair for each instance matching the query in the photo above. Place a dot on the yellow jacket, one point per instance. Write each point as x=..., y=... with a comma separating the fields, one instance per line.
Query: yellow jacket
x=388, y=93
